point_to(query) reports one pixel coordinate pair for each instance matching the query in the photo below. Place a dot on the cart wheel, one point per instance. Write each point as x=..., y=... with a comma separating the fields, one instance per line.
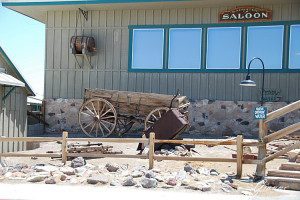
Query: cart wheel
x=97, y=117
x=154, y=115
x=124, y=124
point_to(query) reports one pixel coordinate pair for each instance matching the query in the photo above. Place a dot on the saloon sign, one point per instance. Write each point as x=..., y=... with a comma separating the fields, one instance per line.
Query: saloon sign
x=245, y=13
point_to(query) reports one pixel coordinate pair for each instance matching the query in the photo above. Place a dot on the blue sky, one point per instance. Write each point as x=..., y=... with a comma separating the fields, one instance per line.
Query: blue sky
x=23, y=40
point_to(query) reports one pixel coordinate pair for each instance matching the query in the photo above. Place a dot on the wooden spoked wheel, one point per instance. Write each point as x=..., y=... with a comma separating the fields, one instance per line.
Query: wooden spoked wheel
x=97, y=117
x=154, y=115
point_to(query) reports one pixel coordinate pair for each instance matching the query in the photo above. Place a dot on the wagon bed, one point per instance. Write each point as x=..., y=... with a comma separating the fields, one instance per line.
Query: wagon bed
x=106, y=111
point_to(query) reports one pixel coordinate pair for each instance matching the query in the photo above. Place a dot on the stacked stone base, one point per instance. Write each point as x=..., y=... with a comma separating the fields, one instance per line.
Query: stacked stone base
x=207, y=118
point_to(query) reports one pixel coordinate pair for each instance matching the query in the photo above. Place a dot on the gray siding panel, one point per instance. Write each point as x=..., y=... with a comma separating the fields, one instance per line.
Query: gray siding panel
x=64, y=78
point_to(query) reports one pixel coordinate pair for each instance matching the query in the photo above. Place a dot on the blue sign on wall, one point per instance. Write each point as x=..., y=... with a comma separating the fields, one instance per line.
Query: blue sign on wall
x=260, y=112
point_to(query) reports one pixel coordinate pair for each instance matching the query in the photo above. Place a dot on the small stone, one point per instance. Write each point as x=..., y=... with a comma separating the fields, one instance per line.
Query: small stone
x=99, y=178
x=129, y=181
x=188, y=168
x=78, y=162
x=214, y=172
x=36, y=178
x=67, y=170
x=80, y=170
x=114, y=183
x=159, y=178
x=46, y=168
x=50, y=180
x=150, y=174
x=112, y=167
x=185, y=182
x=181, y=175
x=63, y=177
x=137, y=174
x=203, y=171
x=171, y=181
x=179, y=148
x=149, y=183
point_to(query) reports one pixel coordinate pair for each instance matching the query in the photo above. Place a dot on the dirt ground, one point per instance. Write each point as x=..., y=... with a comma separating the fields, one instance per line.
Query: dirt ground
x=245, y=183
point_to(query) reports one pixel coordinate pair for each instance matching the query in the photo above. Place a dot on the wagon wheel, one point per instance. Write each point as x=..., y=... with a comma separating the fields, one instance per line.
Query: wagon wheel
x=124, y=124
x=97, y=117
x=154, y=115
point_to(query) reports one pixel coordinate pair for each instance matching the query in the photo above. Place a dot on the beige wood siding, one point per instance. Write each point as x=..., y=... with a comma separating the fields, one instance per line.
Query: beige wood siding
x=13, y=116
x=64, y=79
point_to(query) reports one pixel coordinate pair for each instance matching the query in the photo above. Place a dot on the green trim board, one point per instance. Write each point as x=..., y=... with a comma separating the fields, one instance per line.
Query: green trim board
x=56, y=3
x=15, y=70
x=243, y=64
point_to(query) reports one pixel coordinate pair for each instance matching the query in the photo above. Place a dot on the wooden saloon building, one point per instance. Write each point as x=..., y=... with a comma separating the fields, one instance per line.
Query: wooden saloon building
x=13, y=107
x=201, y=47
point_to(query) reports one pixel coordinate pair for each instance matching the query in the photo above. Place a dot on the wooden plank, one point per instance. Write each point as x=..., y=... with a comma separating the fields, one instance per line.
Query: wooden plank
x=53, y=155
x=199, y=142
x=100, y=155
x=290, y=166
x=280, y=153
x=282, y=111
x=177, y=158
x=286, y=183
x=151, y=150
x=281, y=133
x=30, y=139
x=284, y=173
x=239, y=156
x=116, y=140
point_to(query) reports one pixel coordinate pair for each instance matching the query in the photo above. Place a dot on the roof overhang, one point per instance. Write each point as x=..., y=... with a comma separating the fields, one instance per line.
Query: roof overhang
x=37, y=9
x=8, y=80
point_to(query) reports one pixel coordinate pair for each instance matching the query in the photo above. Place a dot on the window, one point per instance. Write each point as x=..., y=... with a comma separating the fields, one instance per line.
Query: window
x=147, y=48
x=294, y=57
x=265, y=42
x=223, y=48
x=185, y=48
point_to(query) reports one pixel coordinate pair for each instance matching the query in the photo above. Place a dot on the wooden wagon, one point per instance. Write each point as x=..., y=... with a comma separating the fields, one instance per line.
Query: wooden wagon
x=106, y=111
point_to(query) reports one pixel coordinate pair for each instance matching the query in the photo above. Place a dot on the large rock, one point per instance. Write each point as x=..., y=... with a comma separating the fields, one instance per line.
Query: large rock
x=67, y=170
x=98, y=178
x=150, y=174
x=149, y=183
x=78, y=162
x=129, y=181
x=46, y=168
x=50, y=180
x=137, y=174
x=188, y=168
x=36, y=178
x=200, y=186
x=112, y=167
x=171, y=181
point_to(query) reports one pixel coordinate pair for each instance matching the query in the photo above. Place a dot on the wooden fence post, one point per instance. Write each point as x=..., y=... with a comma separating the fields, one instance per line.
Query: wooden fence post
x=64, y=150
x=239, y=156
x=262, y=150
x=151, y=150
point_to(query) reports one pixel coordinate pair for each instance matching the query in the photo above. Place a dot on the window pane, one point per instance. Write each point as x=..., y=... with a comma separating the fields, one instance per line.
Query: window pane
x=265, y=42
x=223, y=48
x=185, y=48
x=294, y=60
x=147, y=48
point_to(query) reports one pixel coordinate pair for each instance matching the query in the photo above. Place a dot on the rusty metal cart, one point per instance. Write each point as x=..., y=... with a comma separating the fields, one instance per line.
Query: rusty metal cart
x=106, y=111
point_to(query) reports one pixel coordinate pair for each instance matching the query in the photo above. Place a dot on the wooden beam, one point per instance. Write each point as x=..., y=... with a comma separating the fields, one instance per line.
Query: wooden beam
x=64, y=149
x=116, y=140
x=282, y=111
x=194, y=159
x=239, y=156
x=199, y=142
x=282, y=152
x=281, y=133
x=151, y=150
x=262, y=150
x=101, y=155
x=30, y=139
x=284, y=173
x=53, y=155
x=290, y=166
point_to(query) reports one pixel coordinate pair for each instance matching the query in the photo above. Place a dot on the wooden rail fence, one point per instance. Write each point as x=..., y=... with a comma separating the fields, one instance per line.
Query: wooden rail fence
x=151, y=141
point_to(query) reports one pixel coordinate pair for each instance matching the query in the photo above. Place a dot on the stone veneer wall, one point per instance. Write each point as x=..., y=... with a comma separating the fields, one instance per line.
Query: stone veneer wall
x=209, y=118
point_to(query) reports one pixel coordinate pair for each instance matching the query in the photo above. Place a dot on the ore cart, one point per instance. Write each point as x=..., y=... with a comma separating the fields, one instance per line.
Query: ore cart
x=106, y=111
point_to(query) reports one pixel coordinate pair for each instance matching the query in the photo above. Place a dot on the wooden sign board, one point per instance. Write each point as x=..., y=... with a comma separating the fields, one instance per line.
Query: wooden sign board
x=245, y=14
x=260, y=112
